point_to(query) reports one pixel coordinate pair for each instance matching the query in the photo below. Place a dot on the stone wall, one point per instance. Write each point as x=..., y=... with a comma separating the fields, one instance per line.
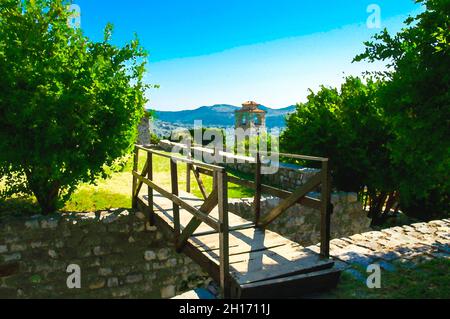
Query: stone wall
x=144, y=131
x=290, y=176
x=302, y=224
x=119, y=253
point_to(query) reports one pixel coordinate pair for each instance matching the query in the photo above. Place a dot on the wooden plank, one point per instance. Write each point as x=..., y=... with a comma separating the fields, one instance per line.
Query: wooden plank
x=306, y=201
x=291, y=200
x=151, y=216
x=257, y=198
x=181, y=159
x=133, y=187
x=143, y=173
x=325, y=219
x=308, y=263
x=190, y=228
x=292, y=286
x=231, y=228
x=242, y=241
x=222, y=190
x=200, y=183
x=176, y=208
x=188, y=171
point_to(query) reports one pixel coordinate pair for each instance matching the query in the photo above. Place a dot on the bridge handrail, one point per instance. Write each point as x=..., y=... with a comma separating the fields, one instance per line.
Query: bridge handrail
x=181, y=159
x=218, y=197
x=195, y=146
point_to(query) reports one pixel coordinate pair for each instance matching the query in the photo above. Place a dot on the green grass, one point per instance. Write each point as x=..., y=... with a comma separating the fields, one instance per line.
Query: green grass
x=428, y=280
x=115, y=192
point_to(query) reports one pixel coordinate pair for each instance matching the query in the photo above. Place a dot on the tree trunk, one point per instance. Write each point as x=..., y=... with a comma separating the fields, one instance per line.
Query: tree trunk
x=48, y=202
x=46, y=193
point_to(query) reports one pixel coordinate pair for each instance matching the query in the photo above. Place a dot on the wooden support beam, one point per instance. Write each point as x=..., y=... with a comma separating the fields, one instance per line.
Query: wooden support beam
x=306, y=201
x=149, y=164
x=139, y=183
x=230, y=229
x=222, y=184
x=135, y=167
x=188, y=171
x=326, y=210
x=181, y=159
x=258, y=187
x=176, y=208
x=210, y=221
x=192, y=226
x=199, y=180
x=291, y=200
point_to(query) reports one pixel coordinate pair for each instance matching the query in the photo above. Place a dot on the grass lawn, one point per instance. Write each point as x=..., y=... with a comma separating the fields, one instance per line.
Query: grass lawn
x=428, y=280
x=115, y=192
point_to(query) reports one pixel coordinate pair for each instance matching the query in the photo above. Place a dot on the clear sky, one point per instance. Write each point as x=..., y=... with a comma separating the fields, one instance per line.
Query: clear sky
x=205, y=52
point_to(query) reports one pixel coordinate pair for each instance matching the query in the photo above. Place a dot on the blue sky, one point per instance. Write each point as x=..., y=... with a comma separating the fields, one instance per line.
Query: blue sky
x=204, y=52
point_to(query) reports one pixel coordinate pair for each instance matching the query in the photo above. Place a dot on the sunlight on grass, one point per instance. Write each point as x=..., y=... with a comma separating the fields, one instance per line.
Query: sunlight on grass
x=116, y=191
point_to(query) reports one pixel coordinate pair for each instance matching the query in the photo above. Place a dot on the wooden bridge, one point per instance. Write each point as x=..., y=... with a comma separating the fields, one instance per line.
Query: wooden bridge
x=247, y=260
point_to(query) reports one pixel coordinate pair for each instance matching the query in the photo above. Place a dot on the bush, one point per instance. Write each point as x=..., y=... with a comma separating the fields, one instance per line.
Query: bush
x=69, y=106
x=349, y=127
x=416, y=100
x=390, y=135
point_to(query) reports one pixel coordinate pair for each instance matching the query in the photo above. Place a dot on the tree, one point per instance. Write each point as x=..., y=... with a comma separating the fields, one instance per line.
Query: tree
x=69, y=107
x=349, y=127
x=417, y=102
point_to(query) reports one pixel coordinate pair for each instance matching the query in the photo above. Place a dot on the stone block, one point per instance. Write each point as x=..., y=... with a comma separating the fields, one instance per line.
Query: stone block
x=11, y=257
x=149, y=255
x=168, y=292
x=134, y=278
x=113, y=282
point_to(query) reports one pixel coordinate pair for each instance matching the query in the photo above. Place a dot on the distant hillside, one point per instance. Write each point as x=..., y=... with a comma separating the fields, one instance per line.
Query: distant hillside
x=221, y=115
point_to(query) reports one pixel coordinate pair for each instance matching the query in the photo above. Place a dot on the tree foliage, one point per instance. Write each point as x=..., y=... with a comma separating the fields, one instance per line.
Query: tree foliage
x=390, y=135
x=416, y=100
x=349, y=127
x=69, y=107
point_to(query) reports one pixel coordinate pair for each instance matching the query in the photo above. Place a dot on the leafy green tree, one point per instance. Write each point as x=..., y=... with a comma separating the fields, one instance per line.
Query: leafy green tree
x=417, y=102
x=69, y=107
x=350, y=128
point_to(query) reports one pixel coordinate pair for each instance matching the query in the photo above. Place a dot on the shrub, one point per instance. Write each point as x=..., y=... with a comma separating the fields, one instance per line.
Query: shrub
x=350, y=128
x=416, y=100
x=69, y=106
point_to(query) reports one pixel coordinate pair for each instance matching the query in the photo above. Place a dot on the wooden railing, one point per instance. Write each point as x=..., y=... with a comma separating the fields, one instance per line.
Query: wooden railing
x=218, y=197
x=320, y=179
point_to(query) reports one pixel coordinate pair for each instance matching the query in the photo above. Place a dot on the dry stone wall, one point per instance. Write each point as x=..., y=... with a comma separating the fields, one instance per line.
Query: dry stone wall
x=302, y=224
x=119, y=254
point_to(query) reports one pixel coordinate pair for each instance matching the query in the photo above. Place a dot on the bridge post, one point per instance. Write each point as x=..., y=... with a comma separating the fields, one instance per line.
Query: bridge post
x=135, y=168
x=222, y=184
x=151, y=216
x=325, y=202
x=176, y=208
x=188, y=170
x=258, y=182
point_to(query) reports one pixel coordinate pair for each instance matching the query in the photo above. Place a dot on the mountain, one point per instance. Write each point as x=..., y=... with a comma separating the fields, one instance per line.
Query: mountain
x=221, y=115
